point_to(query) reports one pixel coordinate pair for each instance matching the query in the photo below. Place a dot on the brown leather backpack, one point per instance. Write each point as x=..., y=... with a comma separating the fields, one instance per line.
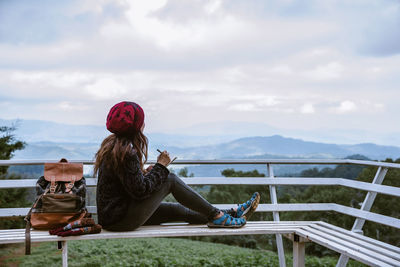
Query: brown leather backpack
x=60, y=198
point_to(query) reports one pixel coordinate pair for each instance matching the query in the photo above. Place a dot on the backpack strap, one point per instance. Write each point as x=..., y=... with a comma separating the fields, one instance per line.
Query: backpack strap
x=28, y=225
x=28, y=237
x=27, y=219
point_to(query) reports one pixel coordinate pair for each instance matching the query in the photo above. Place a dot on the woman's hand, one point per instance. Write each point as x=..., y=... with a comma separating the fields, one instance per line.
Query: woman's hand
x=164, y=158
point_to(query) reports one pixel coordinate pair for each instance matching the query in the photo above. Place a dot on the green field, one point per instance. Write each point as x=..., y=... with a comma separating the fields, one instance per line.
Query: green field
x=149, y=252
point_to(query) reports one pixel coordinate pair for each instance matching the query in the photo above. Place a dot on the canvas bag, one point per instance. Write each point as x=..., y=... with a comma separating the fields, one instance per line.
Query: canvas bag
x=60, y=198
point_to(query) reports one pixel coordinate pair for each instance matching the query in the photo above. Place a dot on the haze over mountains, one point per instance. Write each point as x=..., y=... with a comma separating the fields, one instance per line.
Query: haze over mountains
x=48, y=140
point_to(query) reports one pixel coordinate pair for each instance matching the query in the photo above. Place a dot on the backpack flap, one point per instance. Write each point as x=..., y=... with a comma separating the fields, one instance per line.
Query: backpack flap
x=63, y=171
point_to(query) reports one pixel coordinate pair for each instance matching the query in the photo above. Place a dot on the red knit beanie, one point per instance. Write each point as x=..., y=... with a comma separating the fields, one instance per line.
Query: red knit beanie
x=125, y=118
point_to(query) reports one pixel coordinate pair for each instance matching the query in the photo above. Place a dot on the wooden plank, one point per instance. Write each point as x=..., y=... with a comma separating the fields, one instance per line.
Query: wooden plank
x=352, y=253
x=21, y=232
x=361, y=237
x=18, y=235
x=19, y=238
x=354, y=239
x=137, y=234
x=352, y=245
x=313, y=231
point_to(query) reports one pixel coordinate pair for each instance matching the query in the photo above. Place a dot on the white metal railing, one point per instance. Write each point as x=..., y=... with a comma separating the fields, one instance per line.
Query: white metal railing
x=272, y=181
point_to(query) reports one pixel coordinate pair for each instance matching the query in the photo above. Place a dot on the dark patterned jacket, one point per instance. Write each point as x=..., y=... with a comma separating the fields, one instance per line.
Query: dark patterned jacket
x=114, y=193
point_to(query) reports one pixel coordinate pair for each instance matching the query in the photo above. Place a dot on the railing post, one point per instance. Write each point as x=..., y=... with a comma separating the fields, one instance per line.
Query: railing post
x=275, y=214
x=366, y=206
x=298, y=252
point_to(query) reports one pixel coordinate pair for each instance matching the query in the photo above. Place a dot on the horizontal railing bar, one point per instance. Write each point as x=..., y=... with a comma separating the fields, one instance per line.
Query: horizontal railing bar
x=39, y=162
x=7, y=212
x=230, y=161
x=260, y=181
x=383, y=189
x=370, y=216
x=373, y=163
x=30, y=183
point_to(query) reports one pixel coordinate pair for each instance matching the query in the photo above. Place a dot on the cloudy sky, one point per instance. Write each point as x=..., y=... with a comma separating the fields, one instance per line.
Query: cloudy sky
x=316, y=66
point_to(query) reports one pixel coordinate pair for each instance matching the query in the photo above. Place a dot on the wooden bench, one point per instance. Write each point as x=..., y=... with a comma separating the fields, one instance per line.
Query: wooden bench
x=358, y=247
x=351, y=244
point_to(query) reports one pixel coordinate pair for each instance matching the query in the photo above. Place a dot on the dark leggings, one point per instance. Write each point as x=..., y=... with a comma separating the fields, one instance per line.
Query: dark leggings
x=191, y=208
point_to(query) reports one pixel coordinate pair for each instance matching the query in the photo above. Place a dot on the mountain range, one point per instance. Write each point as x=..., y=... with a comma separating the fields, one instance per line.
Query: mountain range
x=250, y=147
x=49, y=140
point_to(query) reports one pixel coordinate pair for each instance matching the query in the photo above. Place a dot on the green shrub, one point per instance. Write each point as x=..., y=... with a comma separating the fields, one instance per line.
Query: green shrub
x=153, y=252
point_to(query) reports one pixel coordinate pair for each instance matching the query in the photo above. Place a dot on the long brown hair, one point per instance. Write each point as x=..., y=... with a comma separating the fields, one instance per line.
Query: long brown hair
x=114, y=149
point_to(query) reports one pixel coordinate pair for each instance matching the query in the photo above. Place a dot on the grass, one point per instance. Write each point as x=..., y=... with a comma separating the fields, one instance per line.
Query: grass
x=150, y=252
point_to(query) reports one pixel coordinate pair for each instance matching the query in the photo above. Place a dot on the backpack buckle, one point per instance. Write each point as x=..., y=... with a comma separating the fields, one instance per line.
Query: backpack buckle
x=53, y=184
x=70, y=185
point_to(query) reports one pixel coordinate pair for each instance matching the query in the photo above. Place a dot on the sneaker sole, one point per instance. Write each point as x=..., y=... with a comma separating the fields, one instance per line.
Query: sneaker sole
x=253, y=208
x=211, y=225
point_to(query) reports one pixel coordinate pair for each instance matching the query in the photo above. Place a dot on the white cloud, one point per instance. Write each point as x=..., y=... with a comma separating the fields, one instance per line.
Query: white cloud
x=326, y=72
x=268, y=101
x=55, y=79
x=106, y=88
x=281, y=69
x=68, y=106
x=346, y=107
x=244, y=107
x=188, y=61
x=307, y=109
x=168, y=35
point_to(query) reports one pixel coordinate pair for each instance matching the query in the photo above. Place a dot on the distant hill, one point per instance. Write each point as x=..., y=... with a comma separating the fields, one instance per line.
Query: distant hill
x=53, y=140
x=50, y=150
x=38, y=131
x=198, y=134
x=46, y=131
x=251, y=147
x=49, y=140
x=276, y=146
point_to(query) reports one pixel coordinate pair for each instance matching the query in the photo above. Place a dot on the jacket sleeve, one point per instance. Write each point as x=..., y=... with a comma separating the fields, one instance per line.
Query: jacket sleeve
x=141, y=186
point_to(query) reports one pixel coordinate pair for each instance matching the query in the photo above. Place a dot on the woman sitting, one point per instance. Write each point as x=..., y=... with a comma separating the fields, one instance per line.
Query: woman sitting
x=129, y=196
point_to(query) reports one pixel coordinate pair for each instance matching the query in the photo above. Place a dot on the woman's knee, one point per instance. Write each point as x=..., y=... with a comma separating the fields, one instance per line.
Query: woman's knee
x=172, y=178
